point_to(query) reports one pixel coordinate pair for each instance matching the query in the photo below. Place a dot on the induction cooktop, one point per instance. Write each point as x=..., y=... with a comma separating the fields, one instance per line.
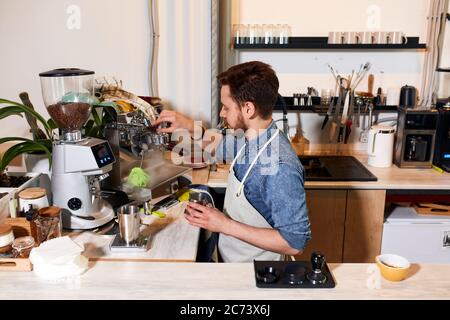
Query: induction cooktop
x=335, y=168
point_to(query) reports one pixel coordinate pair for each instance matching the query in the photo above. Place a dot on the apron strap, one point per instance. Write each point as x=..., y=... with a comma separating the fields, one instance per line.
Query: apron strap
x=237, y=156
x=241, y=187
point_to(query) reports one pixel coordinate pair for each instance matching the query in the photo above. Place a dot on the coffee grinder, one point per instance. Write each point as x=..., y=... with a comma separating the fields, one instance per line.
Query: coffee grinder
x=78, y=163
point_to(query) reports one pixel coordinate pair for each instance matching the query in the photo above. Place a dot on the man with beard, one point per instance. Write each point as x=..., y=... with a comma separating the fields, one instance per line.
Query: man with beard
x=265, y=215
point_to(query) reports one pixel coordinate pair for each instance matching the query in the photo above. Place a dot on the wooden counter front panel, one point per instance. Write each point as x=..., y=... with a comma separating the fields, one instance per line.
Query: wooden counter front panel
x=363, y=225
x=327, y=217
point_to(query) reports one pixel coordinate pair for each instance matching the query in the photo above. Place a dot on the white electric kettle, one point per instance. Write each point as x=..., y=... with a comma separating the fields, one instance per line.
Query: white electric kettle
x=381, y=146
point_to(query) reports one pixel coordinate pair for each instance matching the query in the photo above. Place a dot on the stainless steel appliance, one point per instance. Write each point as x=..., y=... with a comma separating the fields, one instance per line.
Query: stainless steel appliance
x=129, y=237
x=416, y=134
x=408, y=96
x=135, y=143
x=442, y=147
x=79, y=164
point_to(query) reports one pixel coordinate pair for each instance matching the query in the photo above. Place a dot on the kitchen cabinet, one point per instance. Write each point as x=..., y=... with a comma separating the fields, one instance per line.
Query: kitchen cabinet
x=363, y=225
x=327, y=217
x=346, y=225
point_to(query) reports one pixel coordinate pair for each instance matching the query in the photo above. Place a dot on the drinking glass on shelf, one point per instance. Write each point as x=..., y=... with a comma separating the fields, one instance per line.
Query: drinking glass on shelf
x=259, y=34
x=252, y=33
x=285, y=33
x=240, y=33
x=268, y=33
x=244, y=31
x=325, y=97
x=277, y=33
x=236, y=33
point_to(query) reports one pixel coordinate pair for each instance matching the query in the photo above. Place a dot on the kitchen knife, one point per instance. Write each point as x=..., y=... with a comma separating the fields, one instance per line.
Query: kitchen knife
x=348, y=130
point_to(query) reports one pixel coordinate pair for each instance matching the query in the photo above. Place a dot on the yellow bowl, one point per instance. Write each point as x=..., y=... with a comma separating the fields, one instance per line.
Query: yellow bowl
x=393, y=267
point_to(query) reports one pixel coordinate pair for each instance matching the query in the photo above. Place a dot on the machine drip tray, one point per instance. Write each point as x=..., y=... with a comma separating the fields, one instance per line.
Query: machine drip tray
x=140, y=245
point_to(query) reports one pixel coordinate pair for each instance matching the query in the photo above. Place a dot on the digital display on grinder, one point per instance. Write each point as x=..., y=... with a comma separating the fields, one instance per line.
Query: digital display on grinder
x=103, y=154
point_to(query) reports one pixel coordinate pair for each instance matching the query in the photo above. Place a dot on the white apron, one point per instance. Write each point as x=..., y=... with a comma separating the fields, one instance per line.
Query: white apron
x=237, y=207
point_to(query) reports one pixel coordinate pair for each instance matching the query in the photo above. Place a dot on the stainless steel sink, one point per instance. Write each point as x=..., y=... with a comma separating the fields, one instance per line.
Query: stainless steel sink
x=335, y=168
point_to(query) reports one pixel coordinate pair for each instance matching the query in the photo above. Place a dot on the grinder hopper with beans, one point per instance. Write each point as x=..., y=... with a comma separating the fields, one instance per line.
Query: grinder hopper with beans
x=78, y=163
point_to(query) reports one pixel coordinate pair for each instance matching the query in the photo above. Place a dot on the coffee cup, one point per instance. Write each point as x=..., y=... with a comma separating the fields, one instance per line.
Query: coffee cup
x=336, y=37
x=351, y=37
x=381, y=37
x=397, y=37
x=366, y=37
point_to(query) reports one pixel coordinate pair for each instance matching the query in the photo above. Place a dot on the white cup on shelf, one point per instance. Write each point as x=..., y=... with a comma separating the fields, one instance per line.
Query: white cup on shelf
x=351, y=37
x=366, y=37
x=335, y=37
x=381, y=37
x=397, y=37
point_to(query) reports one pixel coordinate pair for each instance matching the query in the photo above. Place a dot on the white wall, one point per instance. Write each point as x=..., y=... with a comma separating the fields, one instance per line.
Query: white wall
x=185, y=56
x=113, y=40
x=299, y=69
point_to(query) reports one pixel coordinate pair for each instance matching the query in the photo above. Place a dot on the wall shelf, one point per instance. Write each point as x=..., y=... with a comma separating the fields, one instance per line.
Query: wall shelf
x=322, y=110
x=322, y=43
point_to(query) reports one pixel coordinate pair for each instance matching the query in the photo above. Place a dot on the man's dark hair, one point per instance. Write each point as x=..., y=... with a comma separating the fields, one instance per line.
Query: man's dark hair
x=253, y=81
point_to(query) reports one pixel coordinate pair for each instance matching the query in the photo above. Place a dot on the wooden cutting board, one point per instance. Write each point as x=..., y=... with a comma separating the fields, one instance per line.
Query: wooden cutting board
x=439, y=209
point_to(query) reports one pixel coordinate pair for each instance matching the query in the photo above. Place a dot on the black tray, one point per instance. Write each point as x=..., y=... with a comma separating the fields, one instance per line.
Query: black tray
x=282, y=269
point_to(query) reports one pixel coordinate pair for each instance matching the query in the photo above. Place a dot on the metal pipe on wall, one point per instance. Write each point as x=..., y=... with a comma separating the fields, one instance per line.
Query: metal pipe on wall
x=154, y=30
x=436, y=25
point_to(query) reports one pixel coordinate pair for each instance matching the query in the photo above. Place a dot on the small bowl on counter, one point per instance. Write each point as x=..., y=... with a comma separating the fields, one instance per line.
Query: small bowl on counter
x=393, y=267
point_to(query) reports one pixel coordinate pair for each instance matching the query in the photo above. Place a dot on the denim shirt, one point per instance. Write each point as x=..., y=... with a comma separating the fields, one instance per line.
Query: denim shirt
x=275, y=185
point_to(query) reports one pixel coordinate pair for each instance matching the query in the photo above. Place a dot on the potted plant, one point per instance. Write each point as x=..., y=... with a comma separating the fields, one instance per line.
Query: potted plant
x=40, y=144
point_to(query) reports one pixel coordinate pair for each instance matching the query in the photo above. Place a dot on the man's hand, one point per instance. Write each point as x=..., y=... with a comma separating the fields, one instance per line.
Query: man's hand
x=215, y=221
x=207, y=218
x=177, y=121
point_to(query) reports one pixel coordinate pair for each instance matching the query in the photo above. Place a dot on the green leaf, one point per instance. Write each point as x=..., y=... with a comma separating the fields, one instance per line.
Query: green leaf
x=31, y=112
x=52, y=124
x=89, y=124
x=96, y=117
x=23, y=147
x=10, y=111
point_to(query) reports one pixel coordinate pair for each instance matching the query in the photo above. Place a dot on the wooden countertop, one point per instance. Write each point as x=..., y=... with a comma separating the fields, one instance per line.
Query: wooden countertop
x=147, y=280
x=393, y=178
x=172, y=239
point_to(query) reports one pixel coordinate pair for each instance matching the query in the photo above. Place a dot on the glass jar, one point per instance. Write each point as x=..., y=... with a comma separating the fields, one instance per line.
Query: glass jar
x=48, y=224
x=23, y=246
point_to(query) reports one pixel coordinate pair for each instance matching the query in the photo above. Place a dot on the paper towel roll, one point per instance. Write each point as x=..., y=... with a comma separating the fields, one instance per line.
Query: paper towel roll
x=393, y=97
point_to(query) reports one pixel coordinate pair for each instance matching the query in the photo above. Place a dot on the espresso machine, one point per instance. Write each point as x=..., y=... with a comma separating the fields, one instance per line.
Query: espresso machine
x=79, y=163
x=136, y=143
x=415, y=139
x=442, y=147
